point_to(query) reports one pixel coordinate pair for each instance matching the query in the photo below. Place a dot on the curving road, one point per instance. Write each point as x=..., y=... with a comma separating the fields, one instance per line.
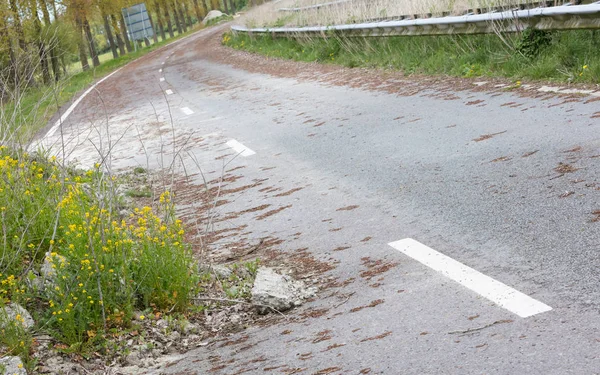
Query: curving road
x=501, y=180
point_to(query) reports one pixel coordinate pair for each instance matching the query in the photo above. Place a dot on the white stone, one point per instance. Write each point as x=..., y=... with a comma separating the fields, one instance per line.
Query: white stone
x=212, y=15
x=279, y=292
x=9, y=313
x=12, y=365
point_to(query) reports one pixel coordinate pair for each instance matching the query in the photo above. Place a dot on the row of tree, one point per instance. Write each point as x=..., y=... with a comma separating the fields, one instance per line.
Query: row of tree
x=38, y=38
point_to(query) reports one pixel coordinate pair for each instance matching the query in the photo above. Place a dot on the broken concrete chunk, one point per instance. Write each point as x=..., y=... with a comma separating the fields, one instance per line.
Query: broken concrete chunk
x=272, y=291
x=12, y=365
x=15, y=312
x=212, y=15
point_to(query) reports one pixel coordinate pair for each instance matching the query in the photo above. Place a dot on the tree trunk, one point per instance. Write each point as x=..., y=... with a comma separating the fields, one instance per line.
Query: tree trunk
x=225, y=6
x=181, y=17
x=214, y=4
x=176, y=15
x=117, y=35
x=206, y=9
x=54, y=12
x=154, y=32
x=91, y=43
x=17, y=22
x=186, y=10
x=159, y=17
x=53, y=42
x=109, y=36
x=124, y=33
x=42, y=51
x=168, y=17
x=80, y=44
x=231, y=6
x=198, y=11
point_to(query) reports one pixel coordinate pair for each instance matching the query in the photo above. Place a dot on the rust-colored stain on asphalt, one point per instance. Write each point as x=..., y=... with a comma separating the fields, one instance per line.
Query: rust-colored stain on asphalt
x=487, y=136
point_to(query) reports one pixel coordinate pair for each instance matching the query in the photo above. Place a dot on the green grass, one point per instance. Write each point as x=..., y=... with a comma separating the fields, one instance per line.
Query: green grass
x=100, y=266
x=565, y=56
x=31, y=113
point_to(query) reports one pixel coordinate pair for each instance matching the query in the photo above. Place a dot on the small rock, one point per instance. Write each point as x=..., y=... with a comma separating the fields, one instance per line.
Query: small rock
x=15, y=312
x=279, y=292
x=235, y=319
x=174, y=336
x=212, y=15
x=162, y=324
x=133, y=359
x=190, y=328
x=156, y=353
x=13, y=365
x=148, y=362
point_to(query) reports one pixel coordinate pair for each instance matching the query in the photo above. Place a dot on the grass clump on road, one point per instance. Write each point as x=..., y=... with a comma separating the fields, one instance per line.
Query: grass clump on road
x=567, y=56
x=75, y=263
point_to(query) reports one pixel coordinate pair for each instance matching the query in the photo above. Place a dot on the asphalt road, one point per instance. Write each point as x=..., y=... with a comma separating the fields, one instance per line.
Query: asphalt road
x=503, y=181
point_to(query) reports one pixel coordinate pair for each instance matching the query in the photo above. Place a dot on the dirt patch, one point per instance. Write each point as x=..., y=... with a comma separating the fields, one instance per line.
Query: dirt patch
x=372, y=304
x=322, y=336
x=502, y=158
x=528, y=154
x=289, y=192
x=348, y=208
x=375, y=267
x=565, y=168
x=378, y=337
x=272, y=212
x=487, y=136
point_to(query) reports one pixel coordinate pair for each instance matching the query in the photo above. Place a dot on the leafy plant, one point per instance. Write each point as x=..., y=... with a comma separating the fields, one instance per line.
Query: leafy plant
x=533, y=41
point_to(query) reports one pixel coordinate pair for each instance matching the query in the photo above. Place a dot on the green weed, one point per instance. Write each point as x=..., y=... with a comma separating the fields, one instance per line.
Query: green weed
x=557, y=56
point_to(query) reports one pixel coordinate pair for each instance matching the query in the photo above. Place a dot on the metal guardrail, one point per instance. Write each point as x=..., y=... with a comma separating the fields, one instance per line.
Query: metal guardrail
x=564, y=17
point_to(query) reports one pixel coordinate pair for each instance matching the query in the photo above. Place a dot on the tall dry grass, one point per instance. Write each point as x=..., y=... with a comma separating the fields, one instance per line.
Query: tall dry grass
x=271, y=14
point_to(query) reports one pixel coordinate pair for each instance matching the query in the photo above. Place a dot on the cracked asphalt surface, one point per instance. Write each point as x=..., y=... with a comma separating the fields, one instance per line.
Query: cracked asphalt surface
x=504, y=181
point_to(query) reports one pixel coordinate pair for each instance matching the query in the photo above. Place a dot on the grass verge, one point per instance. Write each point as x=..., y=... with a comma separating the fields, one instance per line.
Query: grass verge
x=78, y=264
x=564, y=56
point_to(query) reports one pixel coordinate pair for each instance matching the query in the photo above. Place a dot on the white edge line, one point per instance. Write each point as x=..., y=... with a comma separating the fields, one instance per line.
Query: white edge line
x=240, y=148
x=495, y=291
x=69, y=110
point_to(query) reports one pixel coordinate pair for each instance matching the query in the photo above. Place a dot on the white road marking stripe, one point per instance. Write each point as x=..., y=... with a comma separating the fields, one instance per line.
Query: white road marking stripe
x=169, y=92
x=162, y=79
x=160, y=70
x=497, y=292
x=187, y=111
x=75, y=103
x=240, y=148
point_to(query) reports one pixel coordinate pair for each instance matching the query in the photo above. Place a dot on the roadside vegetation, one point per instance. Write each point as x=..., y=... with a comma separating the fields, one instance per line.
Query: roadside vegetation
x=285, y=12
x=50, y=50
x=90, y=260
x=564, y=56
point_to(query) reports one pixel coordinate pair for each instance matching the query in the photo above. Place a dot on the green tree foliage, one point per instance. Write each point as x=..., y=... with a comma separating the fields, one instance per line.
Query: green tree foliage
x=40, y=40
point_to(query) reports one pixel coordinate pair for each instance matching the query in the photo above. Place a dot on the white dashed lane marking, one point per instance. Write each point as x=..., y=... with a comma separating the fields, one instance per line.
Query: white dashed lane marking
x=240, y=148
x=160, y=70
x=169, y=92
x=497, y=292
x=187, y=111
x=162, y=79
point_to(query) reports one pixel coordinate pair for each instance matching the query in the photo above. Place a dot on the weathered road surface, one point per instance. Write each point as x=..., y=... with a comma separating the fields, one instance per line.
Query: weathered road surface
x=504, y=182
